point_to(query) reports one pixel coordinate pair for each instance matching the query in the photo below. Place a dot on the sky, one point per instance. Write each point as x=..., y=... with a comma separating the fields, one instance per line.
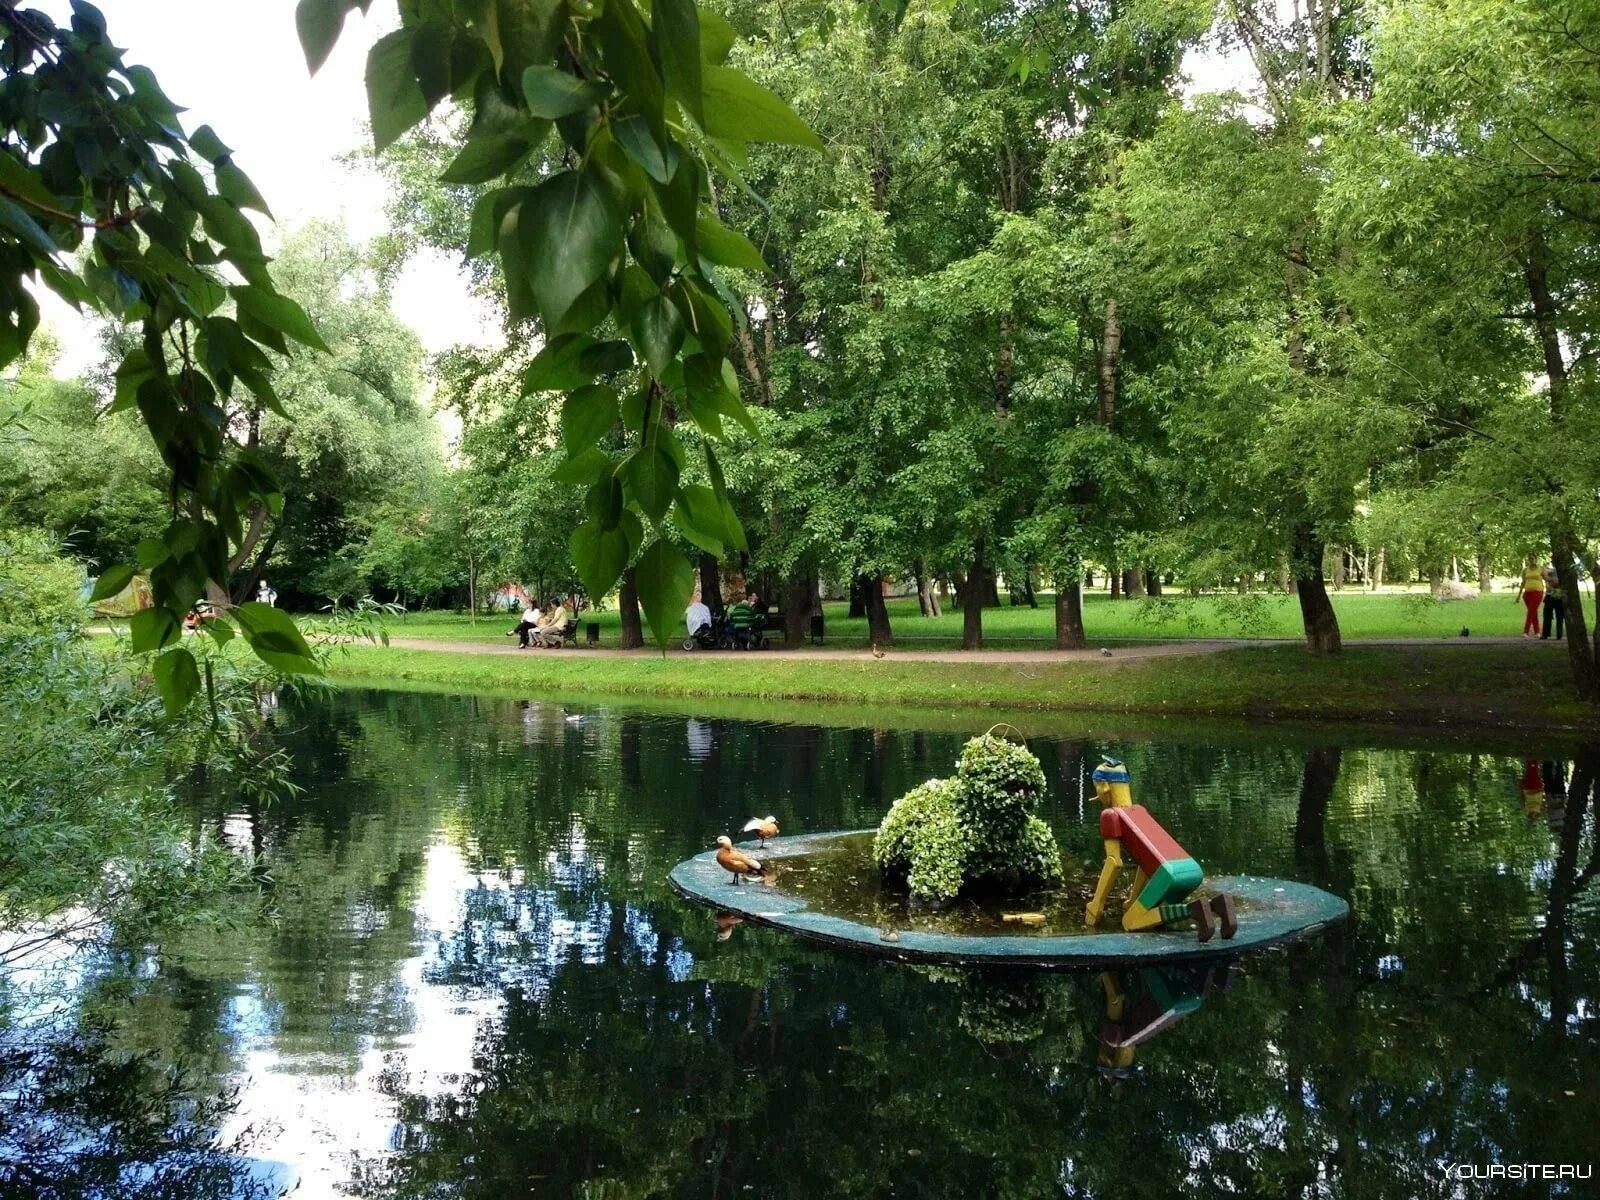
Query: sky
x=236, y=65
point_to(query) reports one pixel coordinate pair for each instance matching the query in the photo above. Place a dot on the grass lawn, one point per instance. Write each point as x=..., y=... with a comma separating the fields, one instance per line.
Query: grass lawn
x=1361, y=615
x=1443, y=688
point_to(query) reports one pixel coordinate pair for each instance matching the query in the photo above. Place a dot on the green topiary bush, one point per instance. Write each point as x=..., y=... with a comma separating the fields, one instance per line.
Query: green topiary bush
x=977, y=831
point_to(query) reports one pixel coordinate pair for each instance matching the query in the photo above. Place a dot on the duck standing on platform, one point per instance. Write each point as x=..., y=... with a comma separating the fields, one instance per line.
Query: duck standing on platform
x=1167, y=873
x=763, y=827
x=736, y=862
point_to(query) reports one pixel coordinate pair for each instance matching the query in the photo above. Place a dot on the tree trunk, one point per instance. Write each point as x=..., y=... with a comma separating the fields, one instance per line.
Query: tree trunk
x=858, y=597
x=927, y=598
x=1485, y=573
x=1377, y=570
x=1069, y=613
x=1152, y=583
x=1115, y=577
x=972, y=600
x=1106, y=370
x=1584, y=656
x=991, y=588
x=1133, y=583
x=797, y=608
x=878, y=615
x=257, y=571
x=1316, y=610
x=710, y=584
x=628, y=600
x=1027, y=588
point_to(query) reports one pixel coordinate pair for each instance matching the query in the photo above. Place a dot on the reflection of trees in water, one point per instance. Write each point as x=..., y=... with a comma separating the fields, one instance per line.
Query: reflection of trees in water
x=85, y=1117
x=635, y=1054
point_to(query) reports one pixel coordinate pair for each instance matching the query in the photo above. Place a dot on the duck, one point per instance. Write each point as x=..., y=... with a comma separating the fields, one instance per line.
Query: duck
x=735, y=862
x=763, y=827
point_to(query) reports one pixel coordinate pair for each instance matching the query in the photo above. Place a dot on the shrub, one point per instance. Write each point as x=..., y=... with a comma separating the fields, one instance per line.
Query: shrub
x=976, y=831
x=40, y=591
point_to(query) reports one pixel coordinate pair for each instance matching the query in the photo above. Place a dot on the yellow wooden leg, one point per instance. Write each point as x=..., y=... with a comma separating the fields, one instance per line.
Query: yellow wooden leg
x=1134, y=890
x=1137, y=916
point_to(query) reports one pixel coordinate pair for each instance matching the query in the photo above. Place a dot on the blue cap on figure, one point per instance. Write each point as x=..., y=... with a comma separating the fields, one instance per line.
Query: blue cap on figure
x=1111, y=771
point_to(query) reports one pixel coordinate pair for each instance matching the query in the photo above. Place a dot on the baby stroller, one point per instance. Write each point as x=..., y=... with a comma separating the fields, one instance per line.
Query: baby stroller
x=708, y=637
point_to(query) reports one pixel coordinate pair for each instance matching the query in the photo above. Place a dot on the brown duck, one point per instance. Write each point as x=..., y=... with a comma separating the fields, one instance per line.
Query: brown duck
x=763, y=827
x=736, y=862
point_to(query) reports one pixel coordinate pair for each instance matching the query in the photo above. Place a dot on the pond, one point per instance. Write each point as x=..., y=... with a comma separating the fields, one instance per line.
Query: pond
x=472, y=979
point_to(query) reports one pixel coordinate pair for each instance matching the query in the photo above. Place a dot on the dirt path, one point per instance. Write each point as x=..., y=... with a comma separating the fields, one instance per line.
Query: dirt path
x=1001, y=657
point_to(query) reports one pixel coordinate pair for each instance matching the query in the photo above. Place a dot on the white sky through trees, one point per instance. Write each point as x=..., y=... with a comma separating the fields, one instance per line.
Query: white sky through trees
x=236, y=65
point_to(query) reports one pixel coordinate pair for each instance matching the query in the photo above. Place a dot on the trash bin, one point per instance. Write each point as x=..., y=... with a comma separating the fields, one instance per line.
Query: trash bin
x=593, y=633
x=816, y=630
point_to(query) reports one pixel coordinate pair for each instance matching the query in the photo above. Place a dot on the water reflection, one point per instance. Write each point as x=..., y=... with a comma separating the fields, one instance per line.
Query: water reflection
x=472, y=979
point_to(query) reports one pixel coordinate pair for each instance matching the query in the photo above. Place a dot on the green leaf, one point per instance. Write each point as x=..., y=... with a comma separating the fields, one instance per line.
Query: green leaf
x=233, y=184
x=151, y=629
x=22, y=181
x=319, y=23
x=28, y=231
x=177, y=679
x=490, y=153
x=728, y=247
x=587, y=416
x=113, y=581
x=553, y=93
x=274, y=638
x=666, y=581
x=568, y=231
x=606, y=358
x=633, y=134
x=719, y=485
x=529, y=30
x=698, y=515
x=740, y=109
x=394, y=98
x=600, y=556
x=716, y=37
x=558, y=366
x=624, y=47
x=489, y=214
x=585, y=466
x=604, y=501
x=675, y=29
x=656, y=329
x=651, y=477
x=208, y=145
x=278, y=312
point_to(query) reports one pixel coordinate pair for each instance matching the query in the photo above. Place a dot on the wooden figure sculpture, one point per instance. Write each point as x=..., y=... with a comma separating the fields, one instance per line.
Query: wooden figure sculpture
x=1166, y=873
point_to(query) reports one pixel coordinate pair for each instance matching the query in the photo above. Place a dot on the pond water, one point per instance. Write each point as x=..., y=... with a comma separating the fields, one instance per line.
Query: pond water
x=473, y=980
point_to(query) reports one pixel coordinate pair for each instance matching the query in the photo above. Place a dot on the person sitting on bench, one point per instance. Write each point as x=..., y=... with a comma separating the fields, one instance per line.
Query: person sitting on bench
x=697, y=618
x=553, y=627
x=531, y=616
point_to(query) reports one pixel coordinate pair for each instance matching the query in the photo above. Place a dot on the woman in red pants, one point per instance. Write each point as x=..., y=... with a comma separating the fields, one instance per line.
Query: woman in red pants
x=1531, y=593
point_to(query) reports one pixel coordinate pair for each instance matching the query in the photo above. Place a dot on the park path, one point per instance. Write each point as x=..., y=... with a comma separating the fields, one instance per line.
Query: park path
x=898, y=654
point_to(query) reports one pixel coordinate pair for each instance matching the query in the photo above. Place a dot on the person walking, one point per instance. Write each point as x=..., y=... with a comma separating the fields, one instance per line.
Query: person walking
x=1555, y=605
x=1531, y=593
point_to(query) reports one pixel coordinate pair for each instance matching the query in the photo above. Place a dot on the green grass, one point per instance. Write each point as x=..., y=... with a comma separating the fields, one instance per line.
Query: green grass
x=1521, y=686
x=1361, y=615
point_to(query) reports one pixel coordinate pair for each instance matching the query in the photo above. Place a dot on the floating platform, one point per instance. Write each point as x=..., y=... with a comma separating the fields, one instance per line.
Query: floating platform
x=1271, y=912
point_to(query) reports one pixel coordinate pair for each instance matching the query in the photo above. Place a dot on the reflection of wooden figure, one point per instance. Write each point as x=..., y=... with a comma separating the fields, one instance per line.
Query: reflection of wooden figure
x=1532, y=788
x=1166, y=873
x=1142, y=1004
